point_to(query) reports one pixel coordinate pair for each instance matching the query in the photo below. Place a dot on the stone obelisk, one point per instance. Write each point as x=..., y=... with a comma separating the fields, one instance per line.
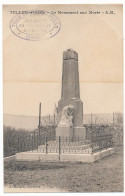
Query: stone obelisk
x=70, y=107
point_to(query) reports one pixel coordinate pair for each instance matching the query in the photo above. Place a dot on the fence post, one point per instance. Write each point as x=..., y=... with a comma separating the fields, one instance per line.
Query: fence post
x=18, y=144
x=91, y=119
x=32, y=143
x=113, y=118
x=54, y=121
x=106, y=141
x=29, y=143
x=92, y=146
x=49, y=120
x=37, y=142
x=46, y=146
x=59, y=147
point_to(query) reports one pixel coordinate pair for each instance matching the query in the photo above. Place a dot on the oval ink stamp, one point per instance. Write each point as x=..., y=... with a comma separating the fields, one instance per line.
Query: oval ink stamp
x=35, y=25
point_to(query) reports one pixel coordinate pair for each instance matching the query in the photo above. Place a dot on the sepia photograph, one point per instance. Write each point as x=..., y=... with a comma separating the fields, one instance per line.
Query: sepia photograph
x=63, y=98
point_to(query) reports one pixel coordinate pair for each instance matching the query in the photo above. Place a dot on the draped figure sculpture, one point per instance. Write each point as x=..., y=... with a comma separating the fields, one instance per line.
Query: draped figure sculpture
x=67, y=117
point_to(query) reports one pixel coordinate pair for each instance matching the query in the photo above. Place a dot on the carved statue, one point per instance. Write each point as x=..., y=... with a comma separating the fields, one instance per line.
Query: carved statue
x=67, y=117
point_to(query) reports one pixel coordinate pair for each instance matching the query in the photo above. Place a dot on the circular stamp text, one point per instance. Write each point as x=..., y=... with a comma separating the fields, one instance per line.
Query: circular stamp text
x=35, y=25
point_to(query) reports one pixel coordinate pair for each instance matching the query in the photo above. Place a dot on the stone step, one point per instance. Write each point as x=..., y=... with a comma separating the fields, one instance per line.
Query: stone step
x=66, y=144
x=52, y=148
x=74, y=143
x=72, y=151
x=69, y=149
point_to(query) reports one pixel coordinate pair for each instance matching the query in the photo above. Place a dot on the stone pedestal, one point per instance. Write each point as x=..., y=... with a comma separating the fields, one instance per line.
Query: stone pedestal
x=64, y=132
x=71, y=132
x=79, y=132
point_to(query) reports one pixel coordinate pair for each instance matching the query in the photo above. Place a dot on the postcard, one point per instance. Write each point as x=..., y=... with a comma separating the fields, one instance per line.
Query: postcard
x=63, y=98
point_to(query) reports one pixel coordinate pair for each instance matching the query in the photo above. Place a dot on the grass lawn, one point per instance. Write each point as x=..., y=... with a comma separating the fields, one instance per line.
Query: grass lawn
x=105, y=175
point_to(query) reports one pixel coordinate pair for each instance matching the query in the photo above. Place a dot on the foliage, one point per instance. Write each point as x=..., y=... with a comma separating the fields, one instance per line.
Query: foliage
x=19, y=140
x=11, y=136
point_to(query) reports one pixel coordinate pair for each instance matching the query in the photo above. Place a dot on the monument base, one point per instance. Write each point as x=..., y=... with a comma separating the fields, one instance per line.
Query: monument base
x=71, y=132
x=64, y=132
x=79, y=132
x=38, y=156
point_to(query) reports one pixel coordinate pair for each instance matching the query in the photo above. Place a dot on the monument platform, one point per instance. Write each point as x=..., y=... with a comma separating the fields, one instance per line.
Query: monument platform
x=87, y=158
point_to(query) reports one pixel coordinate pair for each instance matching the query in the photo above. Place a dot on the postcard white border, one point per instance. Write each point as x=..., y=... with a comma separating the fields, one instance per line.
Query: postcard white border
x=3, y=2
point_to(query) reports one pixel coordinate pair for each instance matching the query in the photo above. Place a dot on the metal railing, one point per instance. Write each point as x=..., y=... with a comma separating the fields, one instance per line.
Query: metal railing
x=65, y=145
x=98, y=136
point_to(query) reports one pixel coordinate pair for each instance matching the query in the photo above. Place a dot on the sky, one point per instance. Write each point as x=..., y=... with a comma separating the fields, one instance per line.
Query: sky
x=33, y=70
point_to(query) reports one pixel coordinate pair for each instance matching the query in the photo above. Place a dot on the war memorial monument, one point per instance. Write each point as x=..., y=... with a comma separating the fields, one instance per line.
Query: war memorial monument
x=70, y=107
x=70, y=142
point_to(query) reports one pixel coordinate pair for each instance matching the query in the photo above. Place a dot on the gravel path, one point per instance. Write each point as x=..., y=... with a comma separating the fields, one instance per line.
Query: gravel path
x=105, y=175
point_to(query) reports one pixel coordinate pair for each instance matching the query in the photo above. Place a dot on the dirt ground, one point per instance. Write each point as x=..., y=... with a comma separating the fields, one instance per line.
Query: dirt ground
x=105, y=175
